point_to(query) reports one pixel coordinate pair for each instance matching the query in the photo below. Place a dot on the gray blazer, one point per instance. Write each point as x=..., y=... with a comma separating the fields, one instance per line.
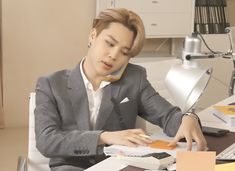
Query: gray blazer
x=62, y=123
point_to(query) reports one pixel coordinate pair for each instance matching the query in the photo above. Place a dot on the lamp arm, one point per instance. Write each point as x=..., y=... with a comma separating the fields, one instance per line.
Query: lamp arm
x=228, y=55
x=204, y=56
x=232, y=83
x=228, y=31
x=198, y=33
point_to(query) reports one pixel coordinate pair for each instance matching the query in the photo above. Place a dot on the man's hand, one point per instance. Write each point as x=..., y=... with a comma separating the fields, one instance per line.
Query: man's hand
x=190, y=130
x=130, y=137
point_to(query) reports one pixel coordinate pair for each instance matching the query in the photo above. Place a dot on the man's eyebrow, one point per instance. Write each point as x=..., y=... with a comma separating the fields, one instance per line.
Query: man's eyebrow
x=111, y=37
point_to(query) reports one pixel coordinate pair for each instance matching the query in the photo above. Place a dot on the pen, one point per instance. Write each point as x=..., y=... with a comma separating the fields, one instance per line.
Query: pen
x=219, y=118
x=144, y=136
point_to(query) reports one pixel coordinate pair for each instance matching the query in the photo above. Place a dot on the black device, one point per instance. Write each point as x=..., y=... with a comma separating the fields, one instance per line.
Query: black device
x=214, y=131
x=152, y=161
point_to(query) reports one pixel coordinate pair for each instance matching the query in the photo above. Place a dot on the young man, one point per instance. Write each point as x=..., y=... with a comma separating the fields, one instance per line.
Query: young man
x=79, y=111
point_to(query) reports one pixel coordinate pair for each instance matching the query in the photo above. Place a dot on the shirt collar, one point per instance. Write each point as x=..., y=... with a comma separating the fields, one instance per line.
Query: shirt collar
x=87, y=82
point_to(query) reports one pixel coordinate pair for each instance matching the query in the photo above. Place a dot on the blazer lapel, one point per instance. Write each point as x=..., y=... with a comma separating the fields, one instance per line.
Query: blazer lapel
x=79, y=100
x=110, y=93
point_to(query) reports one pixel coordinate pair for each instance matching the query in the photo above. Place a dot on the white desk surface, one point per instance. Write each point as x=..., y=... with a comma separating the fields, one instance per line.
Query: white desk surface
x=207, y=119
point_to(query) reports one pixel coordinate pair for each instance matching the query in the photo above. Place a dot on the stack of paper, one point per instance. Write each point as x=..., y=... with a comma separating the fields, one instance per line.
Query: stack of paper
x=226, y=114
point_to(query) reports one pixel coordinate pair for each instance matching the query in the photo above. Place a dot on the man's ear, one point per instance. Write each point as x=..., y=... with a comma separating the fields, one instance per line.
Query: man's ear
x=92, y=35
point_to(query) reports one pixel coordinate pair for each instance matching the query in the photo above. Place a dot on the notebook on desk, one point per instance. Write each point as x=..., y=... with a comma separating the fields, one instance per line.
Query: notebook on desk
x=155, y=147
x=160, y=145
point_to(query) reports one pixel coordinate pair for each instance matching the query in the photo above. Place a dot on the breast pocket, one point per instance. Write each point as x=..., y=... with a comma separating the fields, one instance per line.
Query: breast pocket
x=127, y=113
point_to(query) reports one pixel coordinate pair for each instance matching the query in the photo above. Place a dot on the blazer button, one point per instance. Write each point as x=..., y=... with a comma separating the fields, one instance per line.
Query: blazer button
x=77, y=151
x=92, y=161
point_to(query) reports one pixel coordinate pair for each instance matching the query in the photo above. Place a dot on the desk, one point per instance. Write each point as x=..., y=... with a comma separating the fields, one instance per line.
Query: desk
x=214, y=143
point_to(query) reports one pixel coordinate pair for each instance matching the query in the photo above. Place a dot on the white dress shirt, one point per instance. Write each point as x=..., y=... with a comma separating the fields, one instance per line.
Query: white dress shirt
x=94, y=96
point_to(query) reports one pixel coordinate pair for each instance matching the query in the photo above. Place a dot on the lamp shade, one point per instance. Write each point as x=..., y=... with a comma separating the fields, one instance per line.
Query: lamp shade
x=186, y=84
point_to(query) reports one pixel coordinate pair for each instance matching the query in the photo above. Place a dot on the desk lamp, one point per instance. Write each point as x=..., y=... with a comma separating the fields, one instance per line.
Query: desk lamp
x=186, y=81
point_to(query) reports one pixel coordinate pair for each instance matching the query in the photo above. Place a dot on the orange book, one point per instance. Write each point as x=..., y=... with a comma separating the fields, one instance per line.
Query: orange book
x=227, y=110
x=162, y=144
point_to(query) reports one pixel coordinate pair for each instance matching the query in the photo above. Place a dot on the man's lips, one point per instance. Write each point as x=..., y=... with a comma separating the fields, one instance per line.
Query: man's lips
x=107, y=65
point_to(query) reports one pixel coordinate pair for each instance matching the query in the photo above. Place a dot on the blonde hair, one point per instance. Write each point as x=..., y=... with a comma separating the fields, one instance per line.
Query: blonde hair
x=126, y=17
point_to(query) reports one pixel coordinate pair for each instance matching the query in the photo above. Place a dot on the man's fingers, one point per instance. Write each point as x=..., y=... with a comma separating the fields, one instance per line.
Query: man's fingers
x=140, y=137
x=139, y=140
x=189, y=142
x=201, y=144
x=137, y=131
x=175, y=140
x=128, y=143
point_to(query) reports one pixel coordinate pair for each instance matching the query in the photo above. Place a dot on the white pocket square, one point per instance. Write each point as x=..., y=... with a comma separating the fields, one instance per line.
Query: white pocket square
x=125, y=100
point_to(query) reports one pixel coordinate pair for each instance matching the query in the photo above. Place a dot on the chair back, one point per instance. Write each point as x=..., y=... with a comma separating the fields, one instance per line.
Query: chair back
x=36, y=161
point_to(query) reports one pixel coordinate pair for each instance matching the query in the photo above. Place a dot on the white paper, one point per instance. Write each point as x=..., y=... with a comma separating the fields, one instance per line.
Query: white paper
x=117, y=150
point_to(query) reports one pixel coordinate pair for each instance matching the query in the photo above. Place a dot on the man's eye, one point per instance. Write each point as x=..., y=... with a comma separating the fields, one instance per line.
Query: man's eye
x=109, y=43
x=125, y=53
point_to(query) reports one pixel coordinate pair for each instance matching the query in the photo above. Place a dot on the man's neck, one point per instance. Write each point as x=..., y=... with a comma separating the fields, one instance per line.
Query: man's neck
x=91, y=76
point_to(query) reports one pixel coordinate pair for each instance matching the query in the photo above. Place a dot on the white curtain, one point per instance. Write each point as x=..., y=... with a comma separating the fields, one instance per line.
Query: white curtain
x=1, y=108
x=1, y=94
x=1, y=87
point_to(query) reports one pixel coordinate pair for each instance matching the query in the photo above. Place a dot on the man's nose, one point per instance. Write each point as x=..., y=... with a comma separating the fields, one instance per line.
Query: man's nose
x=113, y=54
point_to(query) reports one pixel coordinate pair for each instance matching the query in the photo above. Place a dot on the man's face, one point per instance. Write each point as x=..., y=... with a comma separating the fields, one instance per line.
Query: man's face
x=110, y=49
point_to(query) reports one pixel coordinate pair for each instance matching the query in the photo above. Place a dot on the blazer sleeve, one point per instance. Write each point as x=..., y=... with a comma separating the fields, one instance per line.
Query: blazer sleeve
x=156, y=109
x=51, y=139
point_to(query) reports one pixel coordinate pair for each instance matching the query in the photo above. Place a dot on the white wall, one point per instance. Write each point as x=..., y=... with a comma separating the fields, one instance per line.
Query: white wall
x=231, y=12
x=39, y=36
